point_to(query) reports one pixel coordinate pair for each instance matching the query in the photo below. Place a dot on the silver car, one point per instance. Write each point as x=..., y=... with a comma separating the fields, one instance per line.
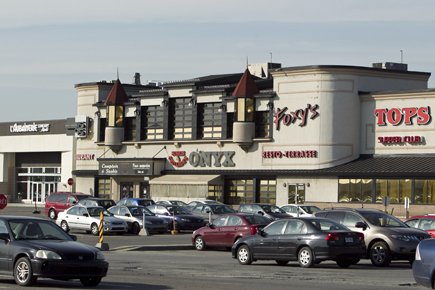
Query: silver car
x=133, y=215
x=88, y=219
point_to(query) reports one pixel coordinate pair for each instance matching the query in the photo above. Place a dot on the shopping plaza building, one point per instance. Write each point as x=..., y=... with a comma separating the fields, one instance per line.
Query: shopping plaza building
x=327, y=134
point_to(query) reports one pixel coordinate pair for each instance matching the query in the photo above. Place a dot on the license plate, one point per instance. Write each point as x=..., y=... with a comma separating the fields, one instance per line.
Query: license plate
x=348, y=239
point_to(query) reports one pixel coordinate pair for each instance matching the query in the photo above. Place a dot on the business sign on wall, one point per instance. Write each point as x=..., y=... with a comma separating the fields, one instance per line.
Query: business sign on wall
x=401, y=140
x=202, y=158
x=29, y=128
x=398, y=116
x=125, y=168
x=297, y=117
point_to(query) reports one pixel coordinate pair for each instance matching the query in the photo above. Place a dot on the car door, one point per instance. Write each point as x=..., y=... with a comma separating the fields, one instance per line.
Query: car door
x=72, y=218
x=265, y=245
x=214, y=234
x=232, y=229
x=5, y=259
x=294, y=235
x=83, y=220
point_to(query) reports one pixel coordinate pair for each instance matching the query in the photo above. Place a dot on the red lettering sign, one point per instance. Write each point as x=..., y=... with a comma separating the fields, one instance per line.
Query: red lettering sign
x=400, y=140
x=289, y=154
x=396, y=116
x=300, y=116
x=178, y=158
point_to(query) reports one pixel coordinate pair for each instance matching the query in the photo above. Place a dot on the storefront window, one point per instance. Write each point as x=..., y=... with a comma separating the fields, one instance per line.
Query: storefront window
x=355, y=190
x=34, y=184
x=209, y=121
x=152, y=119
x=215, y=192
x=424, y=191
x=268, y=191
x=103, y=189
x=240, y=191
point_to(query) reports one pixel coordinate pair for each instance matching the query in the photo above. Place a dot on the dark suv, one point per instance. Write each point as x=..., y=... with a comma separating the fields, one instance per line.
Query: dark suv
x=387, y=238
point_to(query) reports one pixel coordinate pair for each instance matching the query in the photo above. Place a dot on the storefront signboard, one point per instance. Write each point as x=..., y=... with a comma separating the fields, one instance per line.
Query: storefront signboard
x=290, y=154
x=401, y=139
x=29, y=128
x=125, y=168
x=202, y=158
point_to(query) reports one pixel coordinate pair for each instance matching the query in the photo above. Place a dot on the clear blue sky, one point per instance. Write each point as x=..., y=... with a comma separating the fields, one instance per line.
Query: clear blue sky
x=48, y=46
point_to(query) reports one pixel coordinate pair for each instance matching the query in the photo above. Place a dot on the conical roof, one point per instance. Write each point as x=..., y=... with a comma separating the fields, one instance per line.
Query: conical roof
x=246, y=86
x=117, y=95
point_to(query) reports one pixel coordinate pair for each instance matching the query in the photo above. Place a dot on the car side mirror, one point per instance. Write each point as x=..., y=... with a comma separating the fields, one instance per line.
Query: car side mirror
x=74, y=237
x=207, y=211
x=74, y=202
x=5, y=237
x=166, y=214
x=260, y=212
x=261, y=232
x=127, y=215
x=86, y=214
x=361, y=225
x=210, y=225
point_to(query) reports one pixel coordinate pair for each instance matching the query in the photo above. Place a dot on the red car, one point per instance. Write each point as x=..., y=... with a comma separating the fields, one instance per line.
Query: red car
x=423, y=222
x=227, y=229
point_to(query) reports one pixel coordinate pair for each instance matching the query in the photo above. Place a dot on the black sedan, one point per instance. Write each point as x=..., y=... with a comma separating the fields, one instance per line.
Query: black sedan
x=33, y=248
x=423, y=267
x=184, y=219
x=307, y=240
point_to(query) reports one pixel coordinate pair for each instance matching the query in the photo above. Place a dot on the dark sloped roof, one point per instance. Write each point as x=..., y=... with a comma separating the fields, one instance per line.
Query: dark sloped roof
x=246, y=86
x=405, y=166
x=117, y=95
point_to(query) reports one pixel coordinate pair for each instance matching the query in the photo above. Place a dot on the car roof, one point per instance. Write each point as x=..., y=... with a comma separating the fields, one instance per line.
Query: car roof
x=15, y=217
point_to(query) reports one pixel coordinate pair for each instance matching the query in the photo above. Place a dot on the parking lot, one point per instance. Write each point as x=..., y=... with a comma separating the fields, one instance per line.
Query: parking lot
x=170, y=262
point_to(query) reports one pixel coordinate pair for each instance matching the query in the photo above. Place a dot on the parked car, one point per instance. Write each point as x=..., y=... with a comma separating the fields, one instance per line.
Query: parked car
x=308, y=240
x=60, y=201
x=194, y=203
x=171, y=202
x=133, y=216
x=184, y=219
x=87, y=219
x=34, y=248
x=228, y=228
x=211, y=211
x=136, y=201
x=423, y=222
x=268, y=210
x=387, y=238
x=423, y=268
x=96, y=201
x=297, y=210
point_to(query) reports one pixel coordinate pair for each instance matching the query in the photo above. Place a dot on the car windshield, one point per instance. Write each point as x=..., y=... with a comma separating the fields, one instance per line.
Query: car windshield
x=37, y=230
x=221, y=209
x=144, y=202
x=139, y=210
x=95, y=211
x=178, y=202
x=310, y=208
x=178, y=210
x=271, y=208
x=381, y=219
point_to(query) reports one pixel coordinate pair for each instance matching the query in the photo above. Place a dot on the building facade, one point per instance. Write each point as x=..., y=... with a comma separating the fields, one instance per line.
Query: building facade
x=317, y=134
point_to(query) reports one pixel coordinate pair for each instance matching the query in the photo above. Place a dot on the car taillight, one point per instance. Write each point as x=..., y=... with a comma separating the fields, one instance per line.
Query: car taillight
x=253, y=230
x=361, y=237
x=332, y=237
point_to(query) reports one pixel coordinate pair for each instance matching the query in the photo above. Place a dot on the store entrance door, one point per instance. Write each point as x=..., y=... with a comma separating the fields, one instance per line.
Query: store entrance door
x=40, y=190
x=296, y=193
x=126, y=190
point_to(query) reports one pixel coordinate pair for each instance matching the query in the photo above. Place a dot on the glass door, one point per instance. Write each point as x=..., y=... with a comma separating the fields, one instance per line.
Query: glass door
x=296, y=193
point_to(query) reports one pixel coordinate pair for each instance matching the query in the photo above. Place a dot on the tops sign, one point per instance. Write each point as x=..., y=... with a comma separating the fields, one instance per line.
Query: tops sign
x=298, y=116
x=407, y=116
x=26, y=128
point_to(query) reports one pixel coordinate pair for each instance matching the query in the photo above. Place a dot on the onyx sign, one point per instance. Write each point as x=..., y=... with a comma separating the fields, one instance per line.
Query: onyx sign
x=202, y=159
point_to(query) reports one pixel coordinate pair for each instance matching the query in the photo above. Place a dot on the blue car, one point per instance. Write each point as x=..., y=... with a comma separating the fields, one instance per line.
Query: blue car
x=423, y=267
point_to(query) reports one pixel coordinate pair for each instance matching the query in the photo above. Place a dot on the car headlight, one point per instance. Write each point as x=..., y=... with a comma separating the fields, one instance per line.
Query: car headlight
x=405, y=238
x=100, y=256
x=47, y=255
x=106, y=223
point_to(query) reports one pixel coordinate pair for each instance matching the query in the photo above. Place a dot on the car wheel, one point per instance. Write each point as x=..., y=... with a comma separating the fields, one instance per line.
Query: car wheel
x=135, y=228
x=52, y=214
x=23, y=273
x=380, y=254
x=344, y=263
x=90, y=281
x=199, y=243
x=244, y=255
x=281, y=262
x=94, y=229
x=305, y=257
x=64, y=226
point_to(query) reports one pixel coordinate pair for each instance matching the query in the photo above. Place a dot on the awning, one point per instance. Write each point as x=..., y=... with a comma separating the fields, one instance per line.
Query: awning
x=187, y=179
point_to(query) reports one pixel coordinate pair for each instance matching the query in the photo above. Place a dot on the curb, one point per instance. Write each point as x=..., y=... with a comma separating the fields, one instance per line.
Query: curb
x=154, y=248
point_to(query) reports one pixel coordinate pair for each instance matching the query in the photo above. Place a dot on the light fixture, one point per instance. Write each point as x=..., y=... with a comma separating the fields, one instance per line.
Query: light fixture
x=284, y=184
x=98, y=114
x=222, y=108
x=192, y=102
x=164, y=103
x=137, y=112
x=270, y=105
x=308, y=184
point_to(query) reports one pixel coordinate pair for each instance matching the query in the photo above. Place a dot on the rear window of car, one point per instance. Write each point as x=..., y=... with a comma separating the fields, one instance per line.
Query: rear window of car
x=257, y=220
